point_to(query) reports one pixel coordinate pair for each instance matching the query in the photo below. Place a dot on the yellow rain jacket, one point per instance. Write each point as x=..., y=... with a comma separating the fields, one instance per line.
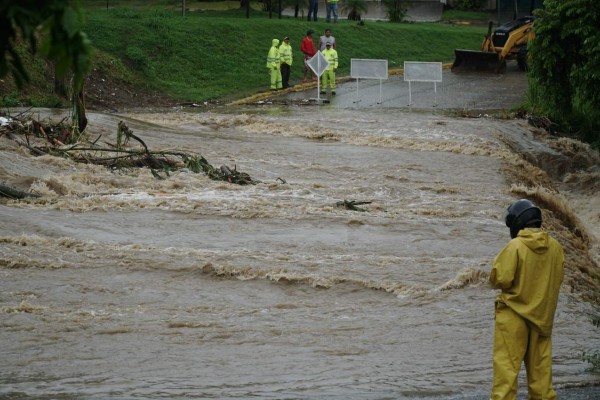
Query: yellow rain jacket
x=273, y=64
x=273, y=59
x=530, y=270
x=332, y=56
x=285, y=52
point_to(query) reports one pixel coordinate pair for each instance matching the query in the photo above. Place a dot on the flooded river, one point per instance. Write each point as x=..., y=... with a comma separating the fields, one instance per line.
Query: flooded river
x=121, y=285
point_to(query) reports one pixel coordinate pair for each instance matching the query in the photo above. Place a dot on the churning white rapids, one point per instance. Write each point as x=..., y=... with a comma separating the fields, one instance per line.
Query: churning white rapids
x=116, y=284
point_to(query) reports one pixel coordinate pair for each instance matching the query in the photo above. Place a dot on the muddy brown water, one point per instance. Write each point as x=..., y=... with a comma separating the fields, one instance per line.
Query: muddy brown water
x=119, y=285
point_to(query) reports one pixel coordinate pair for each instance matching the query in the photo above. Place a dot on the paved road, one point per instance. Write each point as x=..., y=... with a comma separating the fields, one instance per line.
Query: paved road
x=457, y=91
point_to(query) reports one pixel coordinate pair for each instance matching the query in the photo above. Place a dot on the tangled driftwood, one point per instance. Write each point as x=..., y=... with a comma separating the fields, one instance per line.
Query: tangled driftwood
x=57, y=140
x=352, y=205
x=13, y=193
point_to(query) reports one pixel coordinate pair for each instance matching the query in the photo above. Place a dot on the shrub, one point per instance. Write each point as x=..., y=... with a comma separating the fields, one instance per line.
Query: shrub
x=468, y=4
x=354, y=8
x=396, y=9
x=565, y=66
x=594, y=357
x=138, y=58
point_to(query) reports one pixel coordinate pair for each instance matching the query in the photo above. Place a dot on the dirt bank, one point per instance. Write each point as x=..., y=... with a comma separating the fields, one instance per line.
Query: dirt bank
x=102, y=93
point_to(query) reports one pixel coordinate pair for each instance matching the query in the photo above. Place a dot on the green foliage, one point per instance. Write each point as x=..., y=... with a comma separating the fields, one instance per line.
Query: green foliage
x=593, y=357
x=125, y=12
x=139, y=59
x=396, y=9
x=39, y=91
x=476, y=16
x=221, y=54
x=112, y=67
x=354, y=8
x=468, y=4
x=159, y=19
x=565, y=66
x=62, y=39
x=209, y=55
x=11, y=99
x=15, y=99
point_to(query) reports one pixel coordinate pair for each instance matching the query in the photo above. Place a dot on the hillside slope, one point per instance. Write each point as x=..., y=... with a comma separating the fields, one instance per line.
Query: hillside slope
x=154, y=56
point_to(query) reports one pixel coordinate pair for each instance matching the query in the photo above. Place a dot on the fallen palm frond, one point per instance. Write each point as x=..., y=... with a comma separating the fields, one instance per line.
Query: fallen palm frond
x=13, y=193
x=47, y=139
x=352, y=205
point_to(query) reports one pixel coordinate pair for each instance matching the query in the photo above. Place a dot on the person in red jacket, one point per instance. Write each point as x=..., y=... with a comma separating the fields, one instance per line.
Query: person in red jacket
x=307, y=47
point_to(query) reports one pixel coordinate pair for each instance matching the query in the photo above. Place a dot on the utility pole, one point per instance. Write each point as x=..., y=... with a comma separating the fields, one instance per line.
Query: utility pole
x=183, y=8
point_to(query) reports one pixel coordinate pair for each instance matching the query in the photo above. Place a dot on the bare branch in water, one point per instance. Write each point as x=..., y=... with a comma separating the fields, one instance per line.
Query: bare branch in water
x=114, y=156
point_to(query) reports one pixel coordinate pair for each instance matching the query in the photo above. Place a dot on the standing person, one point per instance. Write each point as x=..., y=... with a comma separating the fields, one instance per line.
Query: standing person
x=329, y=75
x=332, y=7
x=326, y=38
x=529, y=270
x=313, y=8
x=273, y=64
x=285, y=55
x=307, y=47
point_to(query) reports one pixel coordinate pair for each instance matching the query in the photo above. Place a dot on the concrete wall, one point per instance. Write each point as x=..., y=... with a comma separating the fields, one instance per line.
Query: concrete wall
x=487, y=5
x=418, y=10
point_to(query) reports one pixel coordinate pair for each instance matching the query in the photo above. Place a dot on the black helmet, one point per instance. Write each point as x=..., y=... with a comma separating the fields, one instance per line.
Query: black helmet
x=520, y=214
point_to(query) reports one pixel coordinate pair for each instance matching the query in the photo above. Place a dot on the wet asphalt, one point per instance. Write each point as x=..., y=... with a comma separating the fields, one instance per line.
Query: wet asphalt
x=468, y=91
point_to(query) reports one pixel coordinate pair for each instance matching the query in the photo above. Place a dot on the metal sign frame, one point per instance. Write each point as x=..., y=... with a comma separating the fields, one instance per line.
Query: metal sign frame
x=379, y=72
x=318, y=64
x=417, y=71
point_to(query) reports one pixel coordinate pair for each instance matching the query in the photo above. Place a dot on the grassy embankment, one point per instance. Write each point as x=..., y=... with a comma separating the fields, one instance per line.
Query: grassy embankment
x=222, y=54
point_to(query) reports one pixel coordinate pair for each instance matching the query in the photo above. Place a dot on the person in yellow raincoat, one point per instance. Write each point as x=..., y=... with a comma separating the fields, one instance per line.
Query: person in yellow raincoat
x=286, y=57
x=273, y=64
x=529, y=270
x=330, y=55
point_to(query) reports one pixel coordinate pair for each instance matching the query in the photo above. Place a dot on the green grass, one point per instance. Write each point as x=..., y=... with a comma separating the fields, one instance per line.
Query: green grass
x=40, y=91
x=208, y=55
x=470, y=16
x=220, y=54
x=172, y=5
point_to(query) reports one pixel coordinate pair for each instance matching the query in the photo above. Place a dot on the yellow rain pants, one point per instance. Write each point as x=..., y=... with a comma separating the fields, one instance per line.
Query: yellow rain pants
x=516, y=341
x=276, y=82
x=273, y=64
x=329, y=74
x=529, y=270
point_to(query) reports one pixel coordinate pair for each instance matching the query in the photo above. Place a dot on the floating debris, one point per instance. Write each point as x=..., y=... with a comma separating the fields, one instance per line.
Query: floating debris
x=13, y=193
x=56, y=140
x=352, y=205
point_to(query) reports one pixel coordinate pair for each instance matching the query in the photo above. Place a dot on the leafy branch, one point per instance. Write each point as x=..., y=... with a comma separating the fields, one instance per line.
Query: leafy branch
x=43, y=139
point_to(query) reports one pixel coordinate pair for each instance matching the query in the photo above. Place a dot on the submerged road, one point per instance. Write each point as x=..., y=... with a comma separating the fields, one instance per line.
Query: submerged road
x=471, y=92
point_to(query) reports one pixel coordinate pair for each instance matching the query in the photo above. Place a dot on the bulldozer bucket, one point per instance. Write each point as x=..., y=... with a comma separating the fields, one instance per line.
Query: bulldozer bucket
x=469, y=60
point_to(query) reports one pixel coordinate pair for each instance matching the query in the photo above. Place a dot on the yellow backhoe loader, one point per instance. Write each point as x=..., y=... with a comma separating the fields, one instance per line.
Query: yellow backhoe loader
x=508, y=42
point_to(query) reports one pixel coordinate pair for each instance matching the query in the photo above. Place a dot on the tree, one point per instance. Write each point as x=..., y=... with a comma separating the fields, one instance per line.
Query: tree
x=396, y=9
x=354, y=8
x=565, y=65
x=56, y=25
x=468, y=4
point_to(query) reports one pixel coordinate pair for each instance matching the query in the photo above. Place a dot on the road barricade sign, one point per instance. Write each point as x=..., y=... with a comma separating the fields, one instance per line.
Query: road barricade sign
x=415, y=71
x=369, y=69
x=318, y=63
